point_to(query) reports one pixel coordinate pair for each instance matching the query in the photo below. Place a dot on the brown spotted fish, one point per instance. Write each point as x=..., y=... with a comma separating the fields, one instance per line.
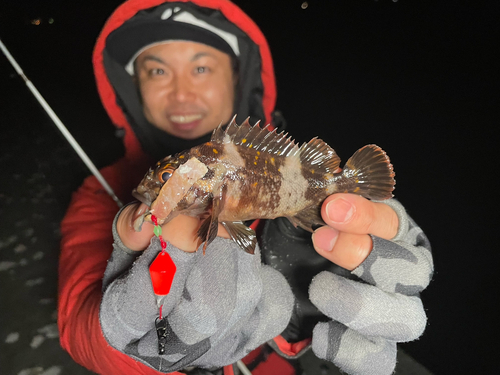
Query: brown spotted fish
x=248, y=172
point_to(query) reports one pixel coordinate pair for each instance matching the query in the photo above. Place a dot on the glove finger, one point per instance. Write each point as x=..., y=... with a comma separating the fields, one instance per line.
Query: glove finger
x=367, y=309
x=397, y=267
x=353, y=352
x=275, y=308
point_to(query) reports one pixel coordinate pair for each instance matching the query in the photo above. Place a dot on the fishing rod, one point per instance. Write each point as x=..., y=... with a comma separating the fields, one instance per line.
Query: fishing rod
x=83, y=156
x=76, y=146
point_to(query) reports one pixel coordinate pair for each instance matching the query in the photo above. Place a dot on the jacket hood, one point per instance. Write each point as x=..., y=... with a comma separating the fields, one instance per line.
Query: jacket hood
x=256, y=92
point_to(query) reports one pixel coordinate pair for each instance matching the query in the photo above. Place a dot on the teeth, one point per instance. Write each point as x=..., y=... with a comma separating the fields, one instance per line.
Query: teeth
x=185, y=119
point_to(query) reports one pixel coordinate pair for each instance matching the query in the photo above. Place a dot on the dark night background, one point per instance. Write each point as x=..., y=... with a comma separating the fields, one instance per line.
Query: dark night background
x=419, y=78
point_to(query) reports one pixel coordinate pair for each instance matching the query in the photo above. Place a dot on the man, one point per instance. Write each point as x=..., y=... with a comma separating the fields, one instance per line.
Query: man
x=168, y=73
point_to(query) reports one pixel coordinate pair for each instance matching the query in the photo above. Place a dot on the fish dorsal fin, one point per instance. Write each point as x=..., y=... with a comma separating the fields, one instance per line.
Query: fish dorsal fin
x=259, y=139
x=218, y=134
x=241, y=134
x=249, y=138
x=232, y=128
x=263, y=139
x=317, y=155
x=273, y=143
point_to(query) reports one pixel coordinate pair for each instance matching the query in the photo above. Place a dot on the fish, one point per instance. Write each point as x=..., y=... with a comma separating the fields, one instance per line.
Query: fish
x=250, y=172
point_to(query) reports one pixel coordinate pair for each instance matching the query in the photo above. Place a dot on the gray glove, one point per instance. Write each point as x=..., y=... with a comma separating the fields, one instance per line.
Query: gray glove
x=221, y=306
x=368, y=319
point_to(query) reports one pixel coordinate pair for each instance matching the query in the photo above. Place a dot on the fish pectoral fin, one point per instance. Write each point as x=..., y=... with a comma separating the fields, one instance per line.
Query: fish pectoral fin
x=210, y=226
x=307, y=218
x=206, y=232
x=241, y=234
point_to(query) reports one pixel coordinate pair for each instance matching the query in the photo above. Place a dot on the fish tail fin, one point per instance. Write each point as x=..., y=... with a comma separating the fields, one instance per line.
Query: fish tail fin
x=368, y=173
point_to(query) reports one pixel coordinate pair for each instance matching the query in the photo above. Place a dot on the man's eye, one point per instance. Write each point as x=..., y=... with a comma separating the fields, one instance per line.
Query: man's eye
x=156, y=72
x=201, y=69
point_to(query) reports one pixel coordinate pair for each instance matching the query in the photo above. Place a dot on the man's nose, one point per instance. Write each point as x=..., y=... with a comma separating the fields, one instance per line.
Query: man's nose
x=182, y=89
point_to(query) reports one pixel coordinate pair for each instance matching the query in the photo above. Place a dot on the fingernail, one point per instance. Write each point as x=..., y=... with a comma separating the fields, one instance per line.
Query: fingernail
x=339, y=210
x=141, y=210
x=138, y=217
x=325, y=238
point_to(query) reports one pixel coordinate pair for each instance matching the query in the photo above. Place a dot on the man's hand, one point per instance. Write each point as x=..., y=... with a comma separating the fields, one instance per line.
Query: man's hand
x=351, y=218
x=369, y=318
x=180, y=231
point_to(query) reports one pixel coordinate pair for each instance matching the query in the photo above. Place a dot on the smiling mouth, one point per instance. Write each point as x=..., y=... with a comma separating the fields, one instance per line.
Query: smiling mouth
x=185, y=119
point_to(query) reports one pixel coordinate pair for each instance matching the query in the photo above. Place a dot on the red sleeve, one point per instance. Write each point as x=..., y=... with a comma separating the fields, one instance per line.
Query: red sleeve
x=85, y=248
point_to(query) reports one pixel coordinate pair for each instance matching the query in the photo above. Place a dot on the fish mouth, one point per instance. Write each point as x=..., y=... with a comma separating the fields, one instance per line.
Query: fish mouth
x=143, y=197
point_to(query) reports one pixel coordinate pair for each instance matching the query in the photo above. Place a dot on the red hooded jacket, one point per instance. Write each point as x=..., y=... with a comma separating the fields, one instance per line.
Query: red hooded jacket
x=86, y=229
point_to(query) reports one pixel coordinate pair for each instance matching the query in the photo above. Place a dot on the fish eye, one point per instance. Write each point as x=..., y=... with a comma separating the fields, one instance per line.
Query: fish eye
x=165, y=174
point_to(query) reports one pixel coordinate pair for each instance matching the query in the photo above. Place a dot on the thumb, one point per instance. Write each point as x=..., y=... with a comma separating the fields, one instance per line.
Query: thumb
x=136, y=241
x=181, y=232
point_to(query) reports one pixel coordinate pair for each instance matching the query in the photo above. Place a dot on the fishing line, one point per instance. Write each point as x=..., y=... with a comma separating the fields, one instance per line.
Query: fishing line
x=164, y=280
x=83, y=156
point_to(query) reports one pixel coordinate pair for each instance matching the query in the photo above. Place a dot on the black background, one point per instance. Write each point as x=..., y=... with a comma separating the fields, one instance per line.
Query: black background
x=418, y=78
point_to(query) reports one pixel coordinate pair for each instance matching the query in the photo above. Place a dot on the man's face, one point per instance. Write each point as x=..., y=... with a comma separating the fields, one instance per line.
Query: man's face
x=187, y=88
